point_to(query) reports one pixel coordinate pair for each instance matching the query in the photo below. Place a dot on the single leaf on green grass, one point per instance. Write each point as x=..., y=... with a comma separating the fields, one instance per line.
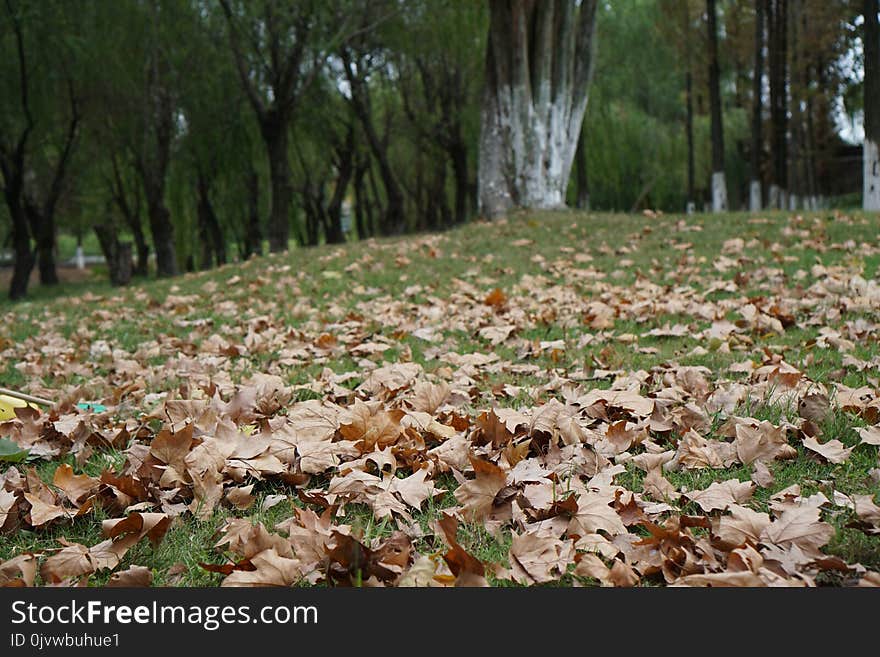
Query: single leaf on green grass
x=10, y=452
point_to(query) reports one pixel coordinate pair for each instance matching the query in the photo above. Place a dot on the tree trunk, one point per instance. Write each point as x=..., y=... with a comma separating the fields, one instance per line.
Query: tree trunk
x=582, y=184
x=142, y=249
x=394, y=220
x=253, y=238
x=755, y=193
x=43, y=229
x=795, y=141
x=777, y=15
x=690, y=203
x=539, y=60
x=458, y=154
x=24, y=257
x=313, y=205
x=719, y=184
x=274, y=131
x=131, y=212
x=871, y=154
x=210, y=233
x=163, y=233
x=116, y=253
x=372, y=207
x=359, y=201
x=333, y=228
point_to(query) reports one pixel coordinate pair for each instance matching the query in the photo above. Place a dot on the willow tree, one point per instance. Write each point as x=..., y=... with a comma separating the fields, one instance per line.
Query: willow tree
x=871, y=156
x=539, y=61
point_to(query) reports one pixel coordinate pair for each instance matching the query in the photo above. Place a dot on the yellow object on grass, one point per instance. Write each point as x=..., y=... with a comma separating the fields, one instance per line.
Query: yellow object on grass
x=9, y=404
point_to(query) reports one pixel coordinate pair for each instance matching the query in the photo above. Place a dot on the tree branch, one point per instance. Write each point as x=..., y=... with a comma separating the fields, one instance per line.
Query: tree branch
x=251, y=92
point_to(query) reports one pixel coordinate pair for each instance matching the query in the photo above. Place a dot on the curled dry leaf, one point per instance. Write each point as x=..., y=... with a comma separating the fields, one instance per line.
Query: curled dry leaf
x=656, y=486
x=467, y=569
x=814, y=407
x=763, y=442
x=8, y=510
x=42, y=513
x=869, y=435
x=833, y=451
x=241, y=497
x=721, y=579
x=19, y=571
x=269, y=569
x=75, y=487
x=742, y=526
x=538, y=559
x=761, y=474
x=131, y=577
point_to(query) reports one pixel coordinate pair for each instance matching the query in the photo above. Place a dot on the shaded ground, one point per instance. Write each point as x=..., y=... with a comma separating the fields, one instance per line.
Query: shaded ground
x=552, y=399
x=66, y=275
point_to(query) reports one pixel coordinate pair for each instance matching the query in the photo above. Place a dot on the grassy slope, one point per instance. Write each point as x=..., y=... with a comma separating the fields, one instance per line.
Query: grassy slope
x=310, y=290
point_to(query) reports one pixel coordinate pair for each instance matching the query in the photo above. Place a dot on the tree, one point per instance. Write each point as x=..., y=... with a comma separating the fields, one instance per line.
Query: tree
x=777, y=19
x=439, y=82
x=153, y=156
x=719, y=183
x=365, y=65
x=38, y=135
x=279, y=49
x=539, y=61
x=755, y=188
x=139, y=88
x=871, y=148
x=689, y=107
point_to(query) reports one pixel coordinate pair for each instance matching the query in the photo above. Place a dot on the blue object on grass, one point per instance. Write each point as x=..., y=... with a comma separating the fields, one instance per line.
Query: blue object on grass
x=91, y=406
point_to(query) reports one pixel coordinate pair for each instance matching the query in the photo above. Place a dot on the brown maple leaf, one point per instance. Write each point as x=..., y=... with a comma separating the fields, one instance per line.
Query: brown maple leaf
x=538, y=558
x=269, y=569
x=42, y=513
x=726, y=579
x=742, y=526
x=594, y=514
x=370, y=425
x=19, y=571
x=133, y=576
x=762, y=442
x=870, y=435
x=477, y=495
x=467, y=569
x=722, y=495
x=832, y=451
x=814, y=407
x=799, y=527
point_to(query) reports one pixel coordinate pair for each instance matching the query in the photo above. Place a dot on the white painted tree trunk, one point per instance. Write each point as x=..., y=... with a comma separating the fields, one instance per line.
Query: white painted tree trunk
x=539, y=63
x=80, y=258
x=793, y=200
x=871, y=159
x=719, y=192
x=525, y=161
x=691, y=207
x=755, y=196
x=773, y=197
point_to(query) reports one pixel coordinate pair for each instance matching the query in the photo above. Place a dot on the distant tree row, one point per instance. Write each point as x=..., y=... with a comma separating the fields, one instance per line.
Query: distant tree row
x=188, y=133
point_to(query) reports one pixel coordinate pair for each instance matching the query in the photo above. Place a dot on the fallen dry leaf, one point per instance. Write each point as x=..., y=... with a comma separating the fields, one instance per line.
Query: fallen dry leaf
x=132, y=576
x=722, y=495
x=833, y=451
x=477, y=496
